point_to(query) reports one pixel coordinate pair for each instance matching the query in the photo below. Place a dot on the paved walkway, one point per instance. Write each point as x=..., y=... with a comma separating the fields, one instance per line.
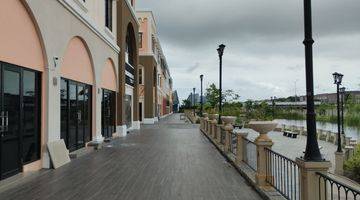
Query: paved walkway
x=169, y=160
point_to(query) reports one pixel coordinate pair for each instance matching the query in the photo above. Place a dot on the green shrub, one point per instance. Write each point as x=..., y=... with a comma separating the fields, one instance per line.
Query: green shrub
x=352, y=166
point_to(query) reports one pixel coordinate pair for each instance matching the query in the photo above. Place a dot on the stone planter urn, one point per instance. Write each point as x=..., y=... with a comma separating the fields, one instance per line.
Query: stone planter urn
x=206, y=116
x=228, y=121
x=263, y=127
x=211, y=116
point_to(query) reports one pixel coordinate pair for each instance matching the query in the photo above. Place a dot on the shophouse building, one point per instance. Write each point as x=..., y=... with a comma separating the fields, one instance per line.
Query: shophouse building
x=155, y=82
x=68, y=70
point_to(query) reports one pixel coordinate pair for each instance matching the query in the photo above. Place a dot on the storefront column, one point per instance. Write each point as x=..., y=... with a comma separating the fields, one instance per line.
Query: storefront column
x=52, y=131
x=98, y=138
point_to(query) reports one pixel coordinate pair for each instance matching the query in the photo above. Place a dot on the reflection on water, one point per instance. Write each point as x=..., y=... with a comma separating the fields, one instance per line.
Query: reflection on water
x=353, y=132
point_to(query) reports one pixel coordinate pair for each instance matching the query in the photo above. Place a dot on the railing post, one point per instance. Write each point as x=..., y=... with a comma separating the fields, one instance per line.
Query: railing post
x=228, y=130
x=208, y=126
x=201, y=123
x=240, y=146
x=218, y=133
x=213, y=128
x=310, y=187
x=262, y=142
x=339, y=163
x=205, y=122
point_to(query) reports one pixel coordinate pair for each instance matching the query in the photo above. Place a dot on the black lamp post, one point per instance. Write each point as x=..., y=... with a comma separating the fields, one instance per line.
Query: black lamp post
x=337, y=80
x=312, y=152
x=194, y=103
x=220, y=51
x=343, y=92
x=273, y=106
x=201, y=95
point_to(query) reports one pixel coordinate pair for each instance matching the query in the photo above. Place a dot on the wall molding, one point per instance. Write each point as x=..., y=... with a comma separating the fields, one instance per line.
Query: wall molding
x=132, y=12
x=74, y=9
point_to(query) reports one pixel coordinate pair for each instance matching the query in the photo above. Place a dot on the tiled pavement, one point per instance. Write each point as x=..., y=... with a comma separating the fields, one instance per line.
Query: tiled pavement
x=169, y=160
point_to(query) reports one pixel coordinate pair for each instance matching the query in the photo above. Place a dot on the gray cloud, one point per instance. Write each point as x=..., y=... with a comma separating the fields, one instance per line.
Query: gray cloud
x=264, y=53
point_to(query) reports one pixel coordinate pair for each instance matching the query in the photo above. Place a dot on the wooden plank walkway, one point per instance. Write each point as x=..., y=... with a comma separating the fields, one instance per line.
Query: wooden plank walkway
x=170, y=160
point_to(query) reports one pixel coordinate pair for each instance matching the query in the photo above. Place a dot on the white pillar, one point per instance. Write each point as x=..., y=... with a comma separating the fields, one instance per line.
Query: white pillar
x=52, y=103
x=97, y=97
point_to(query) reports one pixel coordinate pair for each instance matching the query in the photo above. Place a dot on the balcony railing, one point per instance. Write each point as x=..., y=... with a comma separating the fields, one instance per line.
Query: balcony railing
x=331, y=188
x=222, y=136
x=233, y=143
x=283, y=174
x=249, y=154
x=270, y=171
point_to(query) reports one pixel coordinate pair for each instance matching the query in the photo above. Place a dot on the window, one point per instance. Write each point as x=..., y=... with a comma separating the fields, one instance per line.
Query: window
x=140, y=76
x=108, y=14
x=155, y=76
x=159, y=80
x=140, y=39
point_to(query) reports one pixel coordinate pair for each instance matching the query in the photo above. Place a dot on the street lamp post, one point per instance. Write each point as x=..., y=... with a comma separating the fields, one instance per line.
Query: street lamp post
x=312, y=152
x=342, y=91
x=273, y=106
x=220, y=51
x=194, y=103
x=201, y=95
x=337, y=80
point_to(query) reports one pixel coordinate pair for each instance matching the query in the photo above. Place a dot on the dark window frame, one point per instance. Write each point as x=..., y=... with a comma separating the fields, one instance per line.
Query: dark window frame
x=141, y=74
x=108, y=14
x=140, y=39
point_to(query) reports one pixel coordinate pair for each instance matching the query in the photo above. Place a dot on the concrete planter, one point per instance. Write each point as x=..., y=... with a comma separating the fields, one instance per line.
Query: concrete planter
x=263, y=127
x=212, y=116
x=206, y=115
x=228, y=119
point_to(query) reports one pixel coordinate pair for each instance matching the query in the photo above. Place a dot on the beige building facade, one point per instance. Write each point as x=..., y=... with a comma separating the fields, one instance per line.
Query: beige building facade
x=155, y=86
x=69, y=70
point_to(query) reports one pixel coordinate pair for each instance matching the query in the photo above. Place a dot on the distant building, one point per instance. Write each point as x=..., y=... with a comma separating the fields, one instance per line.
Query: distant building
x=197, y=98
x=176, y=102
x=332, y=97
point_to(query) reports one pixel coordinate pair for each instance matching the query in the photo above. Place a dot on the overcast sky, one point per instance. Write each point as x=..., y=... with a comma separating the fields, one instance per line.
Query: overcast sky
x=264, y=54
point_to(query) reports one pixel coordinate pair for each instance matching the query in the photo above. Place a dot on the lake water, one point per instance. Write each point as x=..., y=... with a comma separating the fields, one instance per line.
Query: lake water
x=353, y=132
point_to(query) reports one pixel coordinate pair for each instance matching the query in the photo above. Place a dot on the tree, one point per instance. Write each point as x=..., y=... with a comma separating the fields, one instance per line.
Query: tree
x=212, y=96
x=186, y=104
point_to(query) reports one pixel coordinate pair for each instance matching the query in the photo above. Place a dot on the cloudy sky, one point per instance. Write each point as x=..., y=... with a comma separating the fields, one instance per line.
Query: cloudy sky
x=264, y=54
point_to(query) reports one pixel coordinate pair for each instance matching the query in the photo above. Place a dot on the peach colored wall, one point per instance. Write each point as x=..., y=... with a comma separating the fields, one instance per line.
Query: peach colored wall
x=19, y=41
x=77, y=62
x=144, y=28
x=108, y=77
x=23, y=51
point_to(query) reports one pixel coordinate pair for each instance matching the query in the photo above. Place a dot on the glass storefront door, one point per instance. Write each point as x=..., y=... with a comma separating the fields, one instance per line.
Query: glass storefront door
x=75, y=113
x=19, y=118
x=108, y=113
x=128, y=110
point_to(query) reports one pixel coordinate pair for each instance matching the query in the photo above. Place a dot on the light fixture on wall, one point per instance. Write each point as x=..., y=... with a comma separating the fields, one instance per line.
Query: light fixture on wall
x=56, y=61
x=55, y=81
